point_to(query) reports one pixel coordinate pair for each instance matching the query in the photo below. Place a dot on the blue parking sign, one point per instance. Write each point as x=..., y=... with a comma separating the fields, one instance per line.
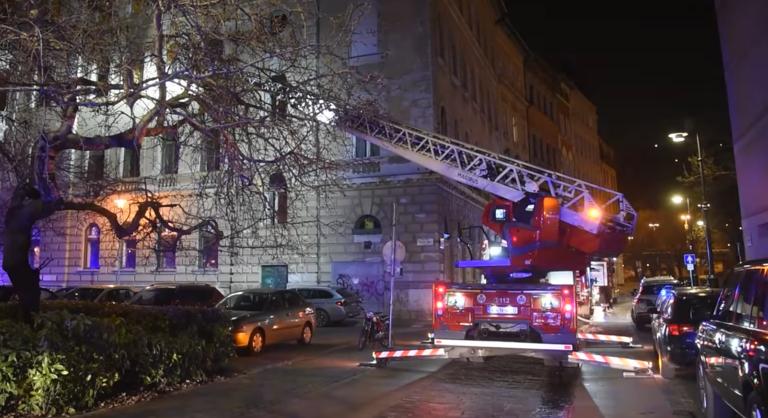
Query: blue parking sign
x=689, y=258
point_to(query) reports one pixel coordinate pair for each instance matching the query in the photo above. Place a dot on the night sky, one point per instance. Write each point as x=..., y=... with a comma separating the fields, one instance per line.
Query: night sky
x=648, y=66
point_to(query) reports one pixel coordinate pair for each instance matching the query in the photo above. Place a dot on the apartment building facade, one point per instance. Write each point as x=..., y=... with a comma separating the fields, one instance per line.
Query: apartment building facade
x=449, y=66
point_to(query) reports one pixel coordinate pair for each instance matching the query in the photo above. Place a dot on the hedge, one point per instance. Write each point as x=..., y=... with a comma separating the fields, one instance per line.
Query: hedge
x=78, y=354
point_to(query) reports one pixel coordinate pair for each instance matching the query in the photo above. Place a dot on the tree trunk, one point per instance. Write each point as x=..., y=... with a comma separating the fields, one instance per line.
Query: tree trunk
x=26, y=208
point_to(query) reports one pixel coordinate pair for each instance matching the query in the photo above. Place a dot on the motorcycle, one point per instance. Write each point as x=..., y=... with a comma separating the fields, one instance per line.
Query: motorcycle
x=375, y=329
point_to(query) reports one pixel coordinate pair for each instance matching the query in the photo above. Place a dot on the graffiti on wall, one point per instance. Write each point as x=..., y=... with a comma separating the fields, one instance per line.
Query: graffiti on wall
x=366, y=279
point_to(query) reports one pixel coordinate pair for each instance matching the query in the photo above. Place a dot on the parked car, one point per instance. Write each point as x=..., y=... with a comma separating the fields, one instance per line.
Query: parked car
x=332, y=304
x=266, y=316
x=62, y=290
x=181, y=294
x=674, y=326
x=646, y=296
x=99, y=294
x=7, y=294
x=733, y=346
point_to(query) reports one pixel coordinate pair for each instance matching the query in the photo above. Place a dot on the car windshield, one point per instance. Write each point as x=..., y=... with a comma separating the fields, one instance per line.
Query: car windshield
x=655, y=289
x=85, y=294
x=252, y=302
x=694, y=309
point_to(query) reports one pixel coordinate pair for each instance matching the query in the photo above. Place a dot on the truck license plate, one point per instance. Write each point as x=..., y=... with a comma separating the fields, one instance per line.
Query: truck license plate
x=504, y=310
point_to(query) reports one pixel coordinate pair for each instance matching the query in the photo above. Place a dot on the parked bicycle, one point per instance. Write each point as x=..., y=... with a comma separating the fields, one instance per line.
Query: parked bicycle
x=375, y=329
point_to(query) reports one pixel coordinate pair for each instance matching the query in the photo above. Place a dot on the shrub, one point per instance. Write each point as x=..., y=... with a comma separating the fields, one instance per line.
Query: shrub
x=78, y=354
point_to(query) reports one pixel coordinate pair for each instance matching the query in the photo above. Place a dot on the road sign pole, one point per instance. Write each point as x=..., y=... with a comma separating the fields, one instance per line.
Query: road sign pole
x=691, y=273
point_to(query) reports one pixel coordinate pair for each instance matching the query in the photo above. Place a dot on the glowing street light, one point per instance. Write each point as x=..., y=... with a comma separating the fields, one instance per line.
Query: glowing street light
x=120, y=203
x=677, y=199
x=700, y=222
x=653, y=226
x=680, y=137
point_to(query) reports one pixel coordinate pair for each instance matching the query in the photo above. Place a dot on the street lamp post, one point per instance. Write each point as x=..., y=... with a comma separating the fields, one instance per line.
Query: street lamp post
x=680, y=137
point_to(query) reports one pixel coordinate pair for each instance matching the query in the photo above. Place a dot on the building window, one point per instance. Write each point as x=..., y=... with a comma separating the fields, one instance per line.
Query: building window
x=34, y=248
x=127, y=252
x=95, y=166
x=209, y=249
x=443, y=121
x=367, y=225
x=279, y=103
x=210, y=158
x=131, y=163
x=91, y=242
x=167, y=242
x=471, y=85
x=440, y=39
x=365, y=149
x=514, y=128
x=454, y=60
x=278, y=198
x=169, y=150
x=364, y=43
x=278, y=22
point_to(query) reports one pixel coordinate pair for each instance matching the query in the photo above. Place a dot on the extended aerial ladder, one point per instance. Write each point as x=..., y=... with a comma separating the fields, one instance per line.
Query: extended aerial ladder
x=570, y=221
x=593, y=220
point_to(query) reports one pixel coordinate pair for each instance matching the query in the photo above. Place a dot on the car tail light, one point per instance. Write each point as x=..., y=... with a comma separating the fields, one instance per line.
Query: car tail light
x=751, y=348
x=341, y=302
x=679, y=329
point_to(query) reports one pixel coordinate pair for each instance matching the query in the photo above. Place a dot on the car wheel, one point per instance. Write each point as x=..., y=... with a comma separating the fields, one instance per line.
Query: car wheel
x=666, y=370
x=322, y=318
x=756, y=406
x=712, y=405
x=306, y=335
x=256, y=343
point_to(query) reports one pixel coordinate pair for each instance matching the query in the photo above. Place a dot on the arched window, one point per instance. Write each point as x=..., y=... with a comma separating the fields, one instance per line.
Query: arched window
x=34, y=248
x=367, y=225
x=209, y=249
x=278, y=198
x=91, y=242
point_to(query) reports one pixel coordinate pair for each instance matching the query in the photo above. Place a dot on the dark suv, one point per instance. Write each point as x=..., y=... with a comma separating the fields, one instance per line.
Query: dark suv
x=732, y=367
x=674, y=326
x=178, y=294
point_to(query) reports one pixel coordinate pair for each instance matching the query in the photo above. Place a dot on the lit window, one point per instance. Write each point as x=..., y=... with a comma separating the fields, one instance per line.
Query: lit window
x=166, y=250
x=91, y=243
x=209, y=250
x=128, y=253
x=34, y=248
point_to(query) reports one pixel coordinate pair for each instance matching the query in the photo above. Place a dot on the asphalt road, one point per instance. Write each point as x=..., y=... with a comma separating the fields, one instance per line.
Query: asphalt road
x=324, y=380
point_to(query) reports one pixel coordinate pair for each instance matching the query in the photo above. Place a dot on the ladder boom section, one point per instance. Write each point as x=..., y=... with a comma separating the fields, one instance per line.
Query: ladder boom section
x=496, y=174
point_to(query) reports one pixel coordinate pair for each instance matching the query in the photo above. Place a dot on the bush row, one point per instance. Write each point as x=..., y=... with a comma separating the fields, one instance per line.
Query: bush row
x=79, y=354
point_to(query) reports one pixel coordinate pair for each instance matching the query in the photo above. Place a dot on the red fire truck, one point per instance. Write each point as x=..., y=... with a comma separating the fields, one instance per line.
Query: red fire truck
x=546, y=226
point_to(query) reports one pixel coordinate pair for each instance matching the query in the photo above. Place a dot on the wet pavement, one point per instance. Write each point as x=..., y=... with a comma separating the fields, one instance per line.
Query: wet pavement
x=324, y=380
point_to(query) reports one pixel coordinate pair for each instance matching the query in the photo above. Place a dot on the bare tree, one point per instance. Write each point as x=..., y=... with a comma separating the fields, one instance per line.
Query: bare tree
x=231, y=90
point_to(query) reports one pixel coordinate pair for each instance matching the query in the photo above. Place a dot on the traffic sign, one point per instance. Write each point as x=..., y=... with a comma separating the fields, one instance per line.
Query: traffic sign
x=399, y=251
x=690, y=260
